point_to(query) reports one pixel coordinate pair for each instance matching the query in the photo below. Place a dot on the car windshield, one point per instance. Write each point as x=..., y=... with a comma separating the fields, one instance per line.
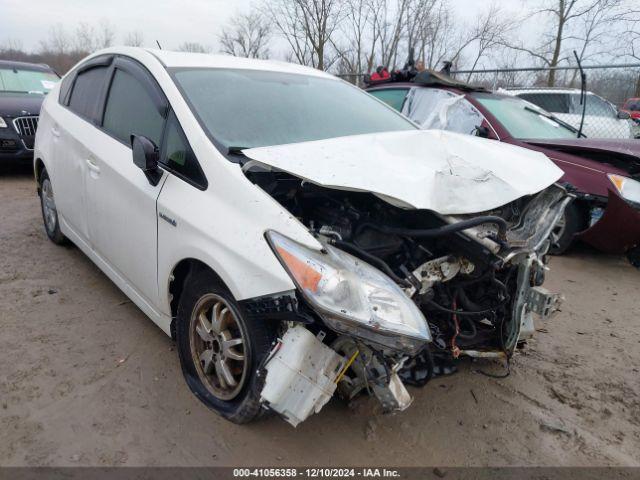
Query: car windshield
x=252, y=108
x=522, y=119
x=569, y=103
x=35, y=82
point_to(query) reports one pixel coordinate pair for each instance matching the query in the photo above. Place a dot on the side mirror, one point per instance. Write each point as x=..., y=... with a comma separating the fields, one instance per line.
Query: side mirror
x=622, y=115
x=145, y=157
x=482, y=131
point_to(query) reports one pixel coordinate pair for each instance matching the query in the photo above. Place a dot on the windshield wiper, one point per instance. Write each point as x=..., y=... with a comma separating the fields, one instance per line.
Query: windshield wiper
x=540, y=112
x=554, y=118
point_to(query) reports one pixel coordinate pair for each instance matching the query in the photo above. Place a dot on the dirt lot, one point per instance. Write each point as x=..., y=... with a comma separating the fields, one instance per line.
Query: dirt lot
x=87, y=379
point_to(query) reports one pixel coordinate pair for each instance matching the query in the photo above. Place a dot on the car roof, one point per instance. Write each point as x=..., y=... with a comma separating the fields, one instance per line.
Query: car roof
x=549, y=90
x=173, y=59
x=40, y=67
x=424, y=78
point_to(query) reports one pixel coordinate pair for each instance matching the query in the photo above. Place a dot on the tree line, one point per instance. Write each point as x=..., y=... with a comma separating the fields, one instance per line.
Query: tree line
x=352, y=37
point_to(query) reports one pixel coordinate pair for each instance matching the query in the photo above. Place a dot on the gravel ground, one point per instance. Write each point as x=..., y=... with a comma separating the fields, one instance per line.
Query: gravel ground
x=87, y=379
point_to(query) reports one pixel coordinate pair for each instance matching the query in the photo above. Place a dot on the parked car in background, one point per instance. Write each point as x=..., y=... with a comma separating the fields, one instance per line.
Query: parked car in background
x=632, y=107
x=605, y=174
x=23, y=87
x=601, y=119
x=286, y=229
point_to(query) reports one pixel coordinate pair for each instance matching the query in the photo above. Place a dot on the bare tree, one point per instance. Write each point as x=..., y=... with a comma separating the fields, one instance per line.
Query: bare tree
x=106, y=34
x=85, y=39
x=359, y=36
x=194, y=47
x=489, y=32
x=134, y=39
x=441, y=37
x=307, y=26
x=631, y=34
x=57, y=41
x=89, y=38
x=390, y=26
x=247, y=35
x=597, y=28
x=567, y=16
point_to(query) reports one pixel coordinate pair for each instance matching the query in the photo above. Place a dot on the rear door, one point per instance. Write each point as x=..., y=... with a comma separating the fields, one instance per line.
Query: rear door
x=121, y=202
x=73, y=129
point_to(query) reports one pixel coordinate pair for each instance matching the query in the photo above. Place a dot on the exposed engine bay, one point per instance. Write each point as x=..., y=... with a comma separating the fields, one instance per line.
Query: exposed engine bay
x=476, y=279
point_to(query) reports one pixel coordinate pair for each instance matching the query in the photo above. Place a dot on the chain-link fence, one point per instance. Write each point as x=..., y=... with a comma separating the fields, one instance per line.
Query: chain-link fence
x=608, y=96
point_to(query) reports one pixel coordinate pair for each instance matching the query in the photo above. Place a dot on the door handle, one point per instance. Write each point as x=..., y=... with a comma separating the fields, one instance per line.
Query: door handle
x=92, y=166
x=55, y=132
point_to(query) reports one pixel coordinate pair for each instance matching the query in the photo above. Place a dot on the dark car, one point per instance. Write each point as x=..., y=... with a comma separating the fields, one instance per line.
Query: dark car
x=605, y=174
x=22, y=89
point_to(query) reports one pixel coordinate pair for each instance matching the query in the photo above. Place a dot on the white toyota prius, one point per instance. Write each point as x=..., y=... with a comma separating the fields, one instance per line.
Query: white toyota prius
x=294, y=235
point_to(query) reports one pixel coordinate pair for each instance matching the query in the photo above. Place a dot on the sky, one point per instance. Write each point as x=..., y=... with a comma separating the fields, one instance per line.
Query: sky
x=171, y=22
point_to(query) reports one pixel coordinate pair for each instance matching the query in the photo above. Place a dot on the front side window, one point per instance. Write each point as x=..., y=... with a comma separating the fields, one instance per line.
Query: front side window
x=596, y=107
x=130, y=110
x=178, y=156
x=434, y=108
x=253, y=108
x=86, y=91
x=35, y=82
x=522, y=119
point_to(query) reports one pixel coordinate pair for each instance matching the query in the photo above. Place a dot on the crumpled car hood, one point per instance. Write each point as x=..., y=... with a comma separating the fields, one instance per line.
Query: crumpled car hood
x=446, y=172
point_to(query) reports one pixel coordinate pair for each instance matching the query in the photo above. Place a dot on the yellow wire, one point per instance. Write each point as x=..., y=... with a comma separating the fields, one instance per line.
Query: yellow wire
x=346, y=367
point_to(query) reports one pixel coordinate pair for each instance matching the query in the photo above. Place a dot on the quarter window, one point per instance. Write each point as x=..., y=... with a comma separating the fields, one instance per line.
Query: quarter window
x=130, y=110
x=86, y=91
x=178, y=156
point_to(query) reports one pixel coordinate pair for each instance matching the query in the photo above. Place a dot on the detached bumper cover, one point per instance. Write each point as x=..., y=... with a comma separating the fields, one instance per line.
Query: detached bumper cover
x=618, y=230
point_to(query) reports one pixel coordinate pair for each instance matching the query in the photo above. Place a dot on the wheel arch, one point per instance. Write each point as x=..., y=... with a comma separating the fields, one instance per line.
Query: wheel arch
x=177, y=282
x=38, y=168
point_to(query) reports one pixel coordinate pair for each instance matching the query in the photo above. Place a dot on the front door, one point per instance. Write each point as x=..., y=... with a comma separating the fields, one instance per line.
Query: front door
x=122, y=213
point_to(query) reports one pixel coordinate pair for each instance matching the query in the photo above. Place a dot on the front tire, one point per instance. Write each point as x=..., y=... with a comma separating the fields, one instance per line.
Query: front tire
x=220, y=349
x=634, y=256
x=563, y=235
x=49, y=210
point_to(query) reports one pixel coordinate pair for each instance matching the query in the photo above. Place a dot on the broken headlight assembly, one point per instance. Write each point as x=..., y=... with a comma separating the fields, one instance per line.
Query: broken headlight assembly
x=352, y=297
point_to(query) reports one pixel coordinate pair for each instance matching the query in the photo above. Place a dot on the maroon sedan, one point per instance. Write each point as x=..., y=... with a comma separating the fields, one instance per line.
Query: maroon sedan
x=604, y=174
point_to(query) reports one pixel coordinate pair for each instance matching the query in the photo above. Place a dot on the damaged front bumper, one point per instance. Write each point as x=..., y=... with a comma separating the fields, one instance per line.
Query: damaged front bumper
x=618, y=230
x=354, y=354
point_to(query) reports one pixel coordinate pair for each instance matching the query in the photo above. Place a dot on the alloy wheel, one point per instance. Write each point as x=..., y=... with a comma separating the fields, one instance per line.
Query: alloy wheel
x=558, y=230
x=217, y=340
x=49, y=206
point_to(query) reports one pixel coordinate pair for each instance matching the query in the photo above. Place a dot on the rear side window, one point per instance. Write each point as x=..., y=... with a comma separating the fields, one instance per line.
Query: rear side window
x=178, y=156
x=394, y=97
x=130, y=110
x=86, y=91
x=433, y=108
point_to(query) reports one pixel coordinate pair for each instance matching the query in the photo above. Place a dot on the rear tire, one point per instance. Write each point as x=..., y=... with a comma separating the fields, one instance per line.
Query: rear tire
x=49, y=210
x=221, y=353
x=573, y=221
x=634, y=256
